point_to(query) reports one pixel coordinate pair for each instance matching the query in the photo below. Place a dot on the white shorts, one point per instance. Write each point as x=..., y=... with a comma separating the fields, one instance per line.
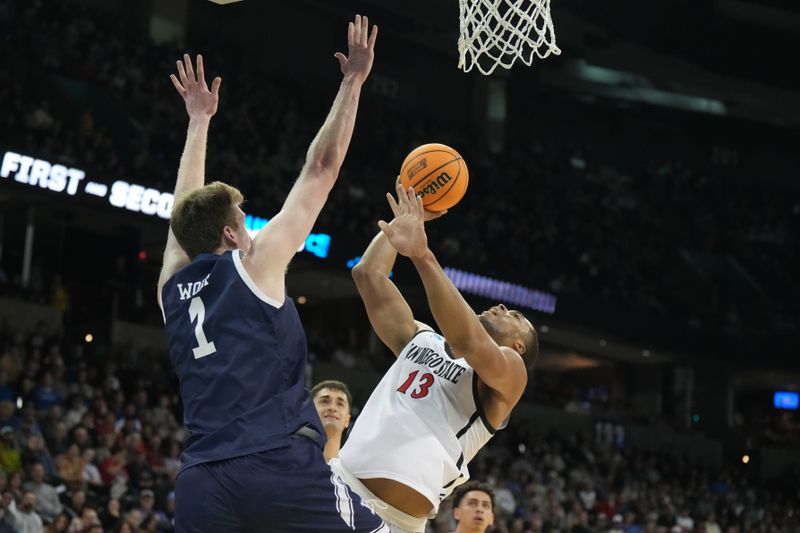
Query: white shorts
x=397, y=520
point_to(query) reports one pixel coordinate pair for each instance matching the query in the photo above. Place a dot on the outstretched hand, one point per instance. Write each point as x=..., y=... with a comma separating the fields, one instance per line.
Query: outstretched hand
x=406, y=232
x=428, y=215
x=200, y=101
x=361, y=50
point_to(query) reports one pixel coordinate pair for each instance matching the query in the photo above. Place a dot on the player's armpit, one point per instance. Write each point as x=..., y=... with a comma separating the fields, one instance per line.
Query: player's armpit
x=174, y=259
x=388, y=311
x=277, y=242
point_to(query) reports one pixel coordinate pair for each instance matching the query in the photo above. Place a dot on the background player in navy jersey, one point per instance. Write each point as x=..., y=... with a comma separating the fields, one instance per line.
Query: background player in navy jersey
x=253, y=460
x=333, y=401
x=444, y=396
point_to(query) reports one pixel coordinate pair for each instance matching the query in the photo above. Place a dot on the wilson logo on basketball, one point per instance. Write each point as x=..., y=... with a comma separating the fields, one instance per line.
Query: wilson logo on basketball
x=417, y=167
x=435, y=184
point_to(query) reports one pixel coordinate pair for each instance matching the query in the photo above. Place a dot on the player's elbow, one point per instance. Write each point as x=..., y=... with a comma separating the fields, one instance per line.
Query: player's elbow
x=323, y=167
x=361, y=273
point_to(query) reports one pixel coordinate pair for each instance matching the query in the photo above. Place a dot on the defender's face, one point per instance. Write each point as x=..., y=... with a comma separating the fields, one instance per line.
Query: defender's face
x=332, y=408
x=474, y=513
x=243, y=239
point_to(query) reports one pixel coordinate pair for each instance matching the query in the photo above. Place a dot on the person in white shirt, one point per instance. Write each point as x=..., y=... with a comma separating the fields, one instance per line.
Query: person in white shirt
x=26, y=520
x=444, y=396
x=47, y=502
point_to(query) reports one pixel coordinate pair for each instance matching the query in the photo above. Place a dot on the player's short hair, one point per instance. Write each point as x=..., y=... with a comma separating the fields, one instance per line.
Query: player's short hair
x=469, y=486
x=199, y=218
x=335, y=385
x=531, y=341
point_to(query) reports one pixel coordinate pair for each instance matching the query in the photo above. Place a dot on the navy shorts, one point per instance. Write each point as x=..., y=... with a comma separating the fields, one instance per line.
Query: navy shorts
x=285, y=489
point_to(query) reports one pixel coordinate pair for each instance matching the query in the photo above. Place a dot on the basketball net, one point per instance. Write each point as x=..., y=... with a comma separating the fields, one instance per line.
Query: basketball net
x=498, y=32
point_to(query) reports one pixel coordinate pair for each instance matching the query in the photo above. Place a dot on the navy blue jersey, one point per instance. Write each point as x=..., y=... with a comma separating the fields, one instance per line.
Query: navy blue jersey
x=240, y=358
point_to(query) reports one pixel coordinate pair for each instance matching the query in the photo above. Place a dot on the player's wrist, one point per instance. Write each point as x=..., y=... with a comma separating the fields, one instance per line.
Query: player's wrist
x=423, y=256
x=354, y=81
x=199, y=120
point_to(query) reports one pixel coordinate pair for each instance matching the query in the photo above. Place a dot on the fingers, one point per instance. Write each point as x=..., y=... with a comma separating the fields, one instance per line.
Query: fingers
x=385, y=228
x=182, y=74
x=364, y=31
x=351, y=33
x=189, y=68
x=357, y=31
x=373, y=36
x=201, y=73
x=420, y=207
x=215, y=86
x=342, y=59
x=393, y=205
x=177, y=84
x=402, y=199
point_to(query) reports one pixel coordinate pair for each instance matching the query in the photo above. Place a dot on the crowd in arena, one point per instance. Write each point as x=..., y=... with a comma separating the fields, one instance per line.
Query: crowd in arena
x=92, y=444
x=259, y=138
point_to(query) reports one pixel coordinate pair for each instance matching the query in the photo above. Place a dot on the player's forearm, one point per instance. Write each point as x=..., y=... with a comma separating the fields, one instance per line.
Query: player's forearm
x=453, y=315
x=379, y=257
x=192, y=169
x=328, y=149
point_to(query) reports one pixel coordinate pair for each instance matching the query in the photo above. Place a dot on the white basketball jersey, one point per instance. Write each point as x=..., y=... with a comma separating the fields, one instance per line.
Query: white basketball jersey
x=423, y=423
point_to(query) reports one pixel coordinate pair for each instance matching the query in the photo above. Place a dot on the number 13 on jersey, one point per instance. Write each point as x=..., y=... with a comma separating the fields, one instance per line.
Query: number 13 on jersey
x=421, y=386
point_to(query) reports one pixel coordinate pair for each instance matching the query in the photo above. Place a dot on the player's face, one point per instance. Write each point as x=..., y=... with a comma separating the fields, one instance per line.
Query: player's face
x=474, y=513
x=505, y=325
x=333, y=409
x=243, y=238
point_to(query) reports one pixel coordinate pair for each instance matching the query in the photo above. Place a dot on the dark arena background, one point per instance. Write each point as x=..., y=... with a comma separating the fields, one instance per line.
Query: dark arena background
x=637, y=197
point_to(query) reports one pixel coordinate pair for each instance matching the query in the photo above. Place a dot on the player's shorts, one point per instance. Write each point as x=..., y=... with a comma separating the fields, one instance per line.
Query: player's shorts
x=397, y=520
x=285, y=489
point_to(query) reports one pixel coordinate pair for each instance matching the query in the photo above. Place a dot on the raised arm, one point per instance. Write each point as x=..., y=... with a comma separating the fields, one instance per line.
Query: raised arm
x=500, y=368
x=278, y=241
x=388, y=311
x=201, y=105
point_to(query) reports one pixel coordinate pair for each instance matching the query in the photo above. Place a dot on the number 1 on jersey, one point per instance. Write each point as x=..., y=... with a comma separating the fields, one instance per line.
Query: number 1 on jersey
x=198, y=310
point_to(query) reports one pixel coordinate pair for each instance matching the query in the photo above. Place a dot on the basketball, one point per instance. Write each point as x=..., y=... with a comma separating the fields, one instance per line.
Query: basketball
x=437, y=173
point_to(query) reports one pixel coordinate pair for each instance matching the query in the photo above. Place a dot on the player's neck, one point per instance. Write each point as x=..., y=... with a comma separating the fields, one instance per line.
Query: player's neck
x=333, y=445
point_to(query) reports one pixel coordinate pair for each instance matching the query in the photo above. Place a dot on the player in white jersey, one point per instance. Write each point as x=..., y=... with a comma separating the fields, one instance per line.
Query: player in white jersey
x=444, y=396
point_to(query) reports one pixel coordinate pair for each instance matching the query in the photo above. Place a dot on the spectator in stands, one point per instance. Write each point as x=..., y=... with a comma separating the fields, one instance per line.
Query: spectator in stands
x=111, y=515
x=77, y=502
x=70, y=466
x=134, y=519
x=45, y=394
x=77, y=408
x=148, y=511
x=14, y=486
x=26, y=518
x=60, y=524
x=10, y=457
x=91, y=474
x=58, y=439
x=36, y=452
x=114, y=472
x=48, y=504
x=6, y=518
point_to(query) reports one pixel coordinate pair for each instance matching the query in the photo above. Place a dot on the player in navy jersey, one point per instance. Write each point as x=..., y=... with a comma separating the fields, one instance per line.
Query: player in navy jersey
x=253, y=460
